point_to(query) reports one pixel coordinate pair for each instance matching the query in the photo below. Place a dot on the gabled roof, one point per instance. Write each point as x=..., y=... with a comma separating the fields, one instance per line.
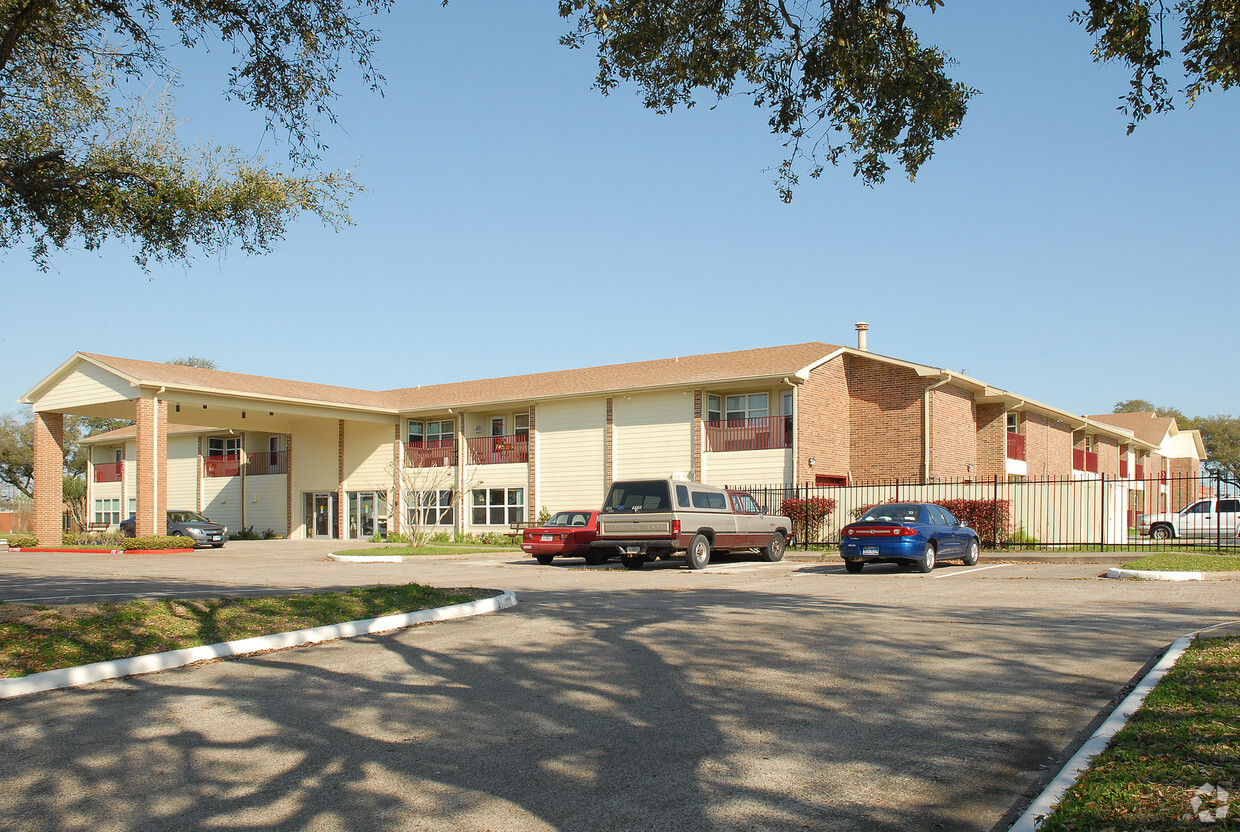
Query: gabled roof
x=1147, y=426
x=127, y=432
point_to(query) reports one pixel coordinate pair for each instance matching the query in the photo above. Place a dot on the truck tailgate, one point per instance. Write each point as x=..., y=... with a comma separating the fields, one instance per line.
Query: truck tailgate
x=636, y=525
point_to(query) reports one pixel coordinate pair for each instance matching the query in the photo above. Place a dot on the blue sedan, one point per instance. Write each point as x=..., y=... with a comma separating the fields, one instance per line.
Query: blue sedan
x=919, y=534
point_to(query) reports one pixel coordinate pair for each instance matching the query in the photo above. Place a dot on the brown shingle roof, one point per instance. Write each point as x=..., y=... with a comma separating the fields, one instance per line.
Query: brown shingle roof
x=691, y=369
x=131, y=432
x=1146, y=426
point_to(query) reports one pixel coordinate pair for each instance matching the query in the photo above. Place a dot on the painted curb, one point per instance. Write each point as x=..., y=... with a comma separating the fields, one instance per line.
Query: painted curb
x=40, y=549
x=1050, y=797
x=100, y=671
x=366, y=558
x=1149, y=575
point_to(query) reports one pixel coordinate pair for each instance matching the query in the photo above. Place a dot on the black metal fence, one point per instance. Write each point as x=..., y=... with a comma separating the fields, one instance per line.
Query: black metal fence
x=1098, y=513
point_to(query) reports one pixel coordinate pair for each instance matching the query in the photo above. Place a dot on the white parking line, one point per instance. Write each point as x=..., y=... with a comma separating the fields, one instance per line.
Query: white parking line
x=967, y=571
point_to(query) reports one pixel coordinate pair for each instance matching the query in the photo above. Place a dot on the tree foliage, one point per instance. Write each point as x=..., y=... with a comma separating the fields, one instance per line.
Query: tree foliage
x=851, y=78
x=1145, y=406
x=1221, y=436
x=194, y=361
x=17, y=446
x=86, y=155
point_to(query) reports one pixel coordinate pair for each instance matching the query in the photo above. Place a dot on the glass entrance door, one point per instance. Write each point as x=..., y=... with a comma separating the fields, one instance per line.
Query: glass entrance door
x=320, y=509
x=367, y=514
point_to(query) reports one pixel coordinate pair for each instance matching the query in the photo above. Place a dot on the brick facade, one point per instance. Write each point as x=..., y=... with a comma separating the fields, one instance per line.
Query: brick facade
x=609, y=448
x=698, y=431
x=49, y=474
x=342, y=499
x=1048, y=446
x=822, y=425
x=953, y=434
x=1108, y=456
x=991, y=441
x=885, y=420
x=531, y=511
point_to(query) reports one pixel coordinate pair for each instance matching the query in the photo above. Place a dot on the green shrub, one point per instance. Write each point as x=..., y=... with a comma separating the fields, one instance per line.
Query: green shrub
x=1020, y=537
x=157, y=543
x=21, y=541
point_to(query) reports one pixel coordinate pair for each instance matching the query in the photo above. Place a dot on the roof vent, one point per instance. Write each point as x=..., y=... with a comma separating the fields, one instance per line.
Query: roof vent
x=862, y=326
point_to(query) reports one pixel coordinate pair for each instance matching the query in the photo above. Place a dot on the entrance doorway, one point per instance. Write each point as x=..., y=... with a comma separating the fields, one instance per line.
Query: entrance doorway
x=321, y=514
x=367, y=514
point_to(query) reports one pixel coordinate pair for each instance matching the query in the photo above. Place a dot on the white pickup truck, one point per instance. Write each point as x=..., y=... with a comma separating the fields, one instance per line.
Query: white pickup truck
x=644, y=519
x=1208, y=518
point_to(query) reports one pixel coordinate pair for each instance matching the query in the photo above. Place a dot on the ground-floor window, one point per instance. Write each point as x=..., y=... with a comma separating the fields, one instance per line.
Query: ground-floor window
x=497, y=506
x=108, y=511
x=429, y=508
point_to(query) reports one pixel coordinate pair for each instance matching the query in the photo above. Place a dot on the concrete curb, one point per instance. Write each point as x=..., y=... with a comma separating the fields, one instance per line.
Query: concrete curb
x=1149, y=575
x=366, y=558
x=1050, y=797
x=99, y=671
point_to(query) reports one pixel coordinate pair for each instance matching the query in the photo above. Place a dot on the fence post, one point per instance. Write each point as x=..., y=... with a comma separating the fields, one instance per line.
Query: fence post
x=1102, y=531
x=994, y=510
x=1218, y=516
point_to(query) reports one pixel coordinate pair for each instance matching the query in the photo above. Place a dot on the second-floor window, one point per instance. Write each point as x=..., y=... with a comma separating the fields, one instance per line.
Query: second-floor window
x=224, y=446
x=430, y=431
x=752, y=406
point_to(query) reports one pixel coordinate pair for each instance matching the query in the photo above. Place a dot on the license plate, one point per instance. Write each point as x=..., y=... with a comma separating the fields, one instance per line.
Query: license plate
x=548, y=537
x=869, y=551
x=632, y=550
x=215, y=537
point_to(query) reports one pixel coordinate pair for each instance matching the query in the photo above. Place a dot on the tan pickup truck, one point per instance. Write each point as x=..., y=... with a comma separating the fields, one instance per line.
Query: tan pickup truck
x=644, y=519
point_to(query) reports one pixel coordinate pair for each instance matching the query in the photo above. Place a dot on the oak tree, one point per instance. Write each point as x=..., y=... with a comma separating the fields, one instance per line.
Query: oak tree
x=86, y=154
x=851, y=78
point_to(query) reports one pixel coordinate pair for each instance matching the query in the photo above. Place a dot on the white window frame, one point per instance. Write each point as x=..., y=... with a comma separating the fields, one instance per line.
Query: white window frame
x=745, y=406
x=227, y=445
x=521, y=424
x=485, y=503
x=714, y=408
x=435, y=507
x=417, y=430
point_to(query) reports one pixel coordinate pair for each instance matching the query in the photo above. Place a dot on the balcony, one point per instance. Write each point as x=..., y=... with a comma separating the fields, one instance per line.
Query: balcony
x=1084, y=461
x=1140, y=472
x=225, y=465
x=108, y=471
x=1123, y=469
x=761, y=434
x=1016, y=446
x=266, y=462
x=430, y=453
x=497, y=450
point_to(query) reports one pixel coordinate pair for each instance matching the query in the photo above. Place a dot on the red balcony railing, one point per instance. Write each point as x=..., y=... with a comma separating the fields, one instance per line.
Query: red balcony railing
x=430, y=453
x=1084, y=461
x=266, y=462
x=1123, y=469
x=493, y=450
x=226, y=465
x=108, y=471
x=760, y=434
x=1016, y=446
x=1140, y=472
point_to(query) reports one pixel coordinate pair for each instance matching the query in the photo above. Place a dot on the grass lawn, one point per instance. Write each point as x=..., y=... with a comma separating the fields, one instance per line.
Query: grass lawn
x=432, y=549
x=1185, y=737
x=1180, y=562
x=36, y=638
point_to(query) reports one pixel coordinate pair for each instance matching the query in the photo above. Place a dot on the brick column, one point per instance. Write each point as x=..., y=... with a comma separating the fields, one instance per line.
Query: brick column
x=288, y=483
x=531, y=494
x=342, y=499
x=609, y=462
x=49, y=478
x=397, y=498
x=152, y=465
x=697, y=435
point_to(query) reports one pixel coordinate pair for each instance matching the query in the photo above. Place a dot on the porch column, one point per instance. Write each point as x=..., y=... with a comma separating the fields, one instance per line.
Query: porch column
x=152, y=464
x=342, y=501
x=288, y=484
x=49, y=476
x=697, y=435
x=531, y=468
x=609, y=462
x=396, y=498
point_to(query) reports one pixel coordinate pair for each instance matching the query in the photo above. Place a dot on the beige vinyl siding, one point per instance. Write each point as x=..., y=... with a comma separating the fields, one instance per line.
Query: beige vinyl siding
x=653, y=434
x=368, y=456
x=86, y=385
x=314, y=456
x=265, y=499
x=221, y=501
x=743, y=468
x=183, y=473
x=570, y=454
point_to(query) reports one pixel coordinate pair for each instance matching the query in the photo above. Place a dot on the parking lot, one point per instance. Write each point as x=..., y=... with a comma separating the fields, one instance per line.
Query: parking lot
x=744, y=696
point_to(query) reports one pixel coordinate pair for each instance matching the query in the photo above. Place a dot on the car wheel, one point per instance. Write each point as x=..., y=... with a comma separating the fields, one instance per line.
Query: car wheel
x=597, y=556
x=926, y=564
x=633, y=561
x=545, y=560
x=698, y=554
x=1160, y=533
x=970, y=558
x=854, y=566
x=774, y=551
x=217, y=545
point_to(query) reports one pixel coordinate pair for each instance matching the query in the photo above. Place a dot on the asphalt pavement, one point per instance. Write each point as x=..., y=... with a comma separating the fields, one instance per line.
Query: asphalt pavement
x=745, y=696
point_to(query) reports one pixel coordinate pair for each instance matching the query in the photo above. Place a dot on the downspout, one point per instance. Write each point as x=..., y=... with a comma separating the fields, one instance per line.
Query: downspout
x=925, y=415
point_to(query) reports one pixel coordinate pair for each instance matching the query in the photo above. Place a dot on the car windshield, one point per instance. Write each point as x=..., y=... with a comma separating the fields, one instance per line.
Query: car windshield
x=187, y=517
x=568, y=518
x=642, y=495
x=894, y=513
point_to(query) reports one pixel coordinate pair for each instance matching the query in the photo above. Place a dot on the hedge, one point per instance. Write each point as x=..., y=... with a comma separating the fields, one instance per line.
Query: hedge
x=21, y=541
x=29, y=541
x=807, y=515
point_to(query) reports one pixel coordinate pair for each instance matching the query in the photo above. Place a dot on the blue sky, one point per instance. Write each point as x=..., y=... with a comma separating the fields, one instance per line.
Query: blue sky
x=518, y=221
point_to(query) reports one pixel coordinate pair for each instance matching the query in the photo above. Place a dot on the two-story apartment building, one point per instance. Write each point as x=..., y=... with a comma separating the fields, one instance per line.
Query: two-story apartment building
x=310, y=460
